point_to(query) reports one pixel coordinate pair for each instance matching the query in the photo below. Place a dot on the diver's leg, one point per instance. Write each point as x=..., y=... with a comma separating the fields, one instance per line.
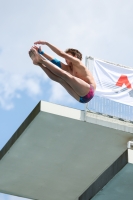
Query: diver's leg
x=61, y=81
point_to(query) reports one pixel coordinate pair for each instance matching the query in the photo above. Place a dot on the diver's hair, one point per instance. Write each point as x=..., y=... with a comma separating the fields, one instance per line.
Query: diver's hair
x=74, y=52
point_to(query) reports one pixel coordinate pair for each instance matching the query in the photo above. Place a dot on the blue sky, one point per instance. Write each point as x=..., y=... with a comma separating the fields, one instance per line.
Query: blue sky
x=98, y=28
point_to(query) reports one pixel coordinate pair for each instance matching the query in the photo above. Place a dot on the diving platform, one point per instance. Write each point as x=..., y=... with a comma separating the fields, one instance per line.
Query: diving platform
x=61, y=153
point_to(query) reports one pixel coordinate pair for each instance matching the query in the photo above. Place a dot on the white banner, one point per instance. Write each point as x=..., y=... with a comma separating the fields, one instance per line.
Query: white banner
x=113, y=82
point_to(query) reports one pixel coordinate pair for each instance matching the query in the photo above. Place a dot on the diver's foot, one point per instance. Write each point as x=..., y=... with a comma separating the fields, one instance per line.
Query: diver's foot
x=34, y=56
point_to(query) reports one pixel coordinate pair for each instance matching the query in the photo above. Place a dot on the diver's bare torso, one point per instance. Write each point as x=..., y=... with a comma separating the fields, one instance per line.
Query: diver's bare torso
x=81, y=72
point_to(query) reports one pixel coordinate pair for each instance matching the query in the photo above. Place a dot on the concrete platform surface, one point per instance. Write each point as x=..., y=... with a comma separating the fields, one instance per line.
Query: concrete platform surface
x=54, y=154
x=120, y=187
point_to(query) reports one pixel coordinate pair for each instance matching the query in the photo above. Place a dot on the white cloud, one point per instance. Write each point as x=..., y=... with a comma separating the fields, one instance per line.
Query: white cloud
x=11, y=86
x=10, y=197
x=16, y=198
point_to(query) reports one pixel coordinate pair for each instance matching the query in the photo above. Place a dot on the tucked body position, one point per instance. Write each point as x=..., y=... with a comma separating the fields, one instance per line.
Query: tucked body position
x=73, y=76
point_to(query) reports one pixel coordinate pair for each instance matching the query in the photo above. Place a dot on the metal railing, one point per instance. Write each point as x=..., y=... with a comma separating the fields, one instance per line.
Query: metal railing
x=108, y=107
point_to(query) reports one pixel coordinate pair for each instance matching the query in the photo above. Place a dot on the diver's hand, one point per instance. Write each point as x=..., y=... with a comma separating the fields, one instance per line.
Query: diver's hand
x=37, y=48
x=40, y=42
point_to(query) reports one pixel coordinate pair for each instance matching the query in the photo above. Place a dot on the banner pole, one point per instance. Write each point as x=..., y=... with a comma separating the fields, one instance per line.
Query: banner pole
x=86, y=104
